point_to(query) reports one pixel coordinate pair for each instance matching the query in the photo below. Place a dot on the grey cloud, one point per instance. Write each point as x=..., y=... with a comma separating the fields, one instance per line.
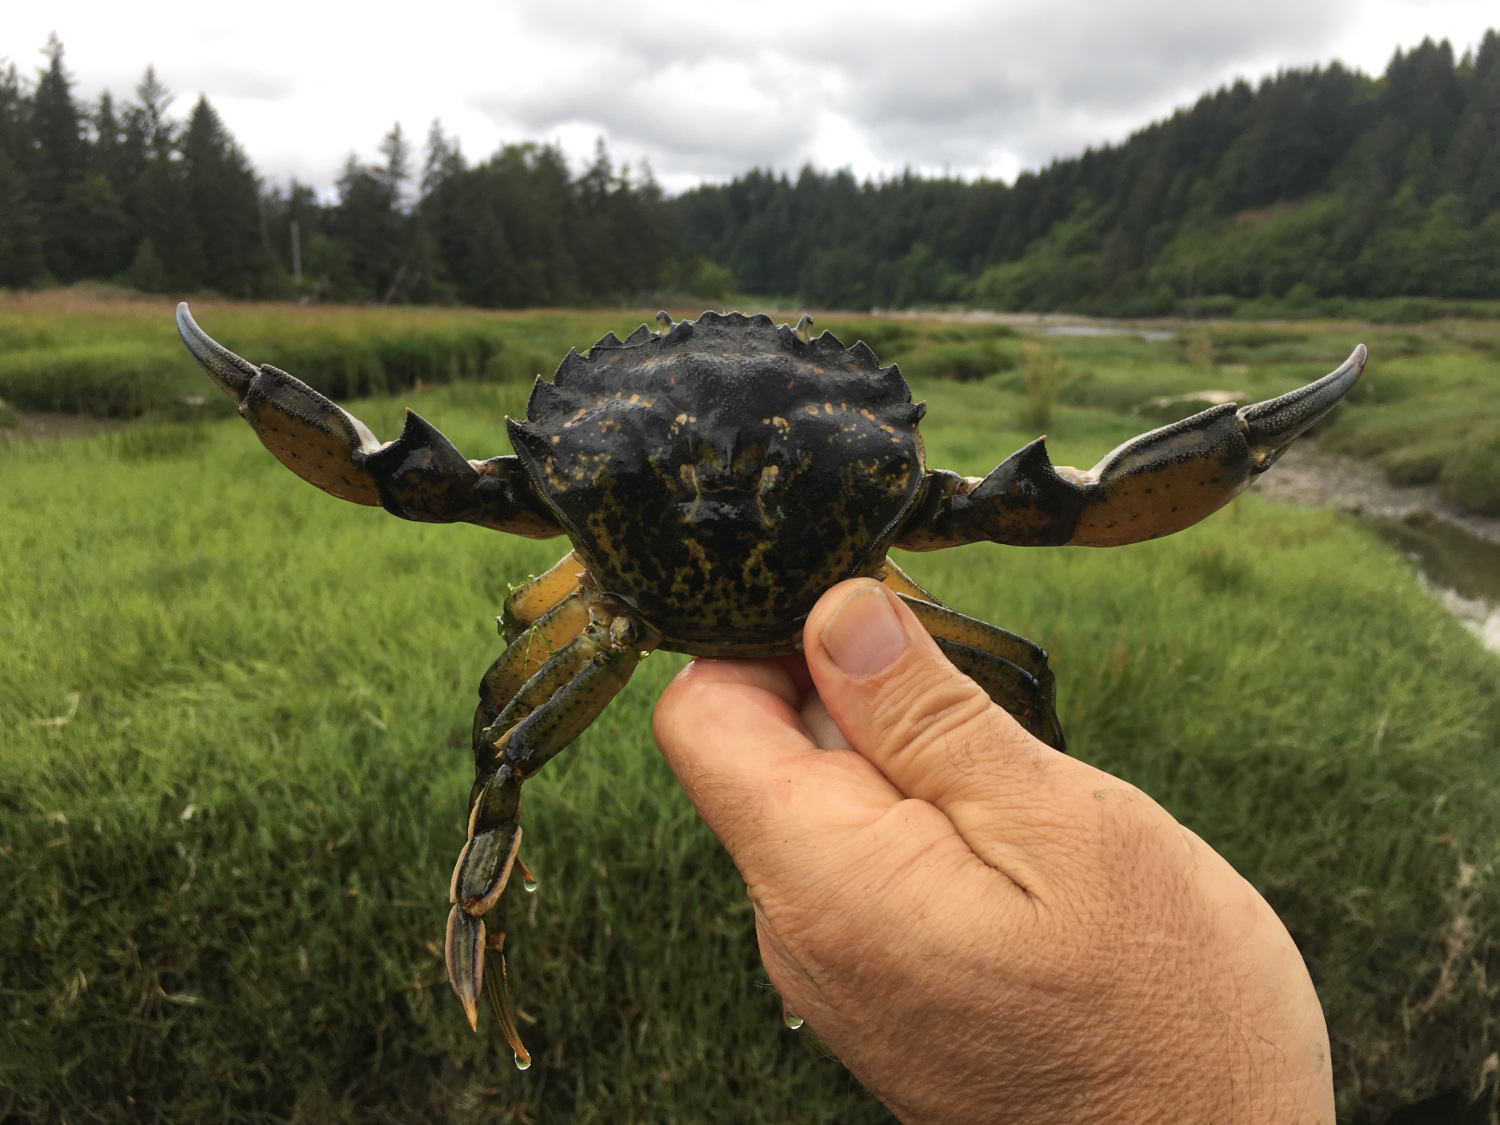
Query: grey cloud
x=1017, y=76
x=957, y=87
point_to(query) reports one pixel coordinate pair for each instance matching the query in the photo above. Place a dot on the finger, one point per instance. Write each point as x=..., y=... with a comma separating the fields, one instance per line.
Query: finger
x=732, y=734
x=820, y=725
x=937, y=736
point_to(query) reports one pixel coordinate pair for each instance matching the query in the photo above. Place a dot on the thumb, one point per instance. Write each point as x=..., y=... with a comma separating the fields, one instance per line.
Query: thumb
x=932, y=731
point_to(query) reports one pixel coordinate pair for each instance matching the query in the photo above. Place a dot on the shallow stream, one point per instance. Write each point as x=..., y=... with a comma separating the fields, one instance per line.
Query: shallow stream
x=1457, y=555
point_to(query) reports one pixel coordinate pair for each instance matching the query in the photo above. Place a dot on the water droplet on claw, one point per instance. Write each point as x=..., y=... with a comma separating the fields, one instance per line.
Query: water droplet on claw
x=523, y=1063
x=790, y=1018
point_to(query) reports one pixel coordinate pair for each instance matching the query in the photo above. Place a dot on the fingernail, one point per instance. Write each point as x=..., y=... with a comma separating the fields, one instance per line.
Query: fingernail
x=864, y=634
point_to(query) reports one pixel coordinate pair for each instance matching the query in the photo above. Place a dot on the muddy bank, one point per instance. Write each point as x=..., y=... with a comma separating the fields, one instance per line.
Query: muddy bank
x=1457, y=554
x=1316, y=477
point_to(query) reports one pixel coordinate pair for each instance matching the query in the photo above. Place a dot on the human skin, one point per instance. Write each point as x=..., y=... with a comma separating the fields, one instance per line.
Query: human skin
x=983, y=929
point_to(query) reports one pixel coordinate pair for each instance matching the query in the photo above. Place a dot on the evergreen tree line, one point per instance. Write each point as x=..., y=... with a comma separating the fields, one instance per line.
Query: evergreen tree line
x=1317, y=182
x=126, y=194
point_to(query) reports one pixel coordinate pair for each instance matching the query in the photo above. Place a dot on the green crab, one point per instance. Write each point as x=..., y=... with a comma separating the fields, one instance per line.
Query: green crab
x=714, y=478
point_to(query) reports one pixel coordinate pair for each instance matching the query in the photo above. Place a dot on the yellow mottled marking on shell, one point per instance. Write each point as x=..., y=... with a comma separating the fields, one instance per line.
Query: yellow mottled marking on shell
x=698, y=560
x=768, y=477
x=689, y=475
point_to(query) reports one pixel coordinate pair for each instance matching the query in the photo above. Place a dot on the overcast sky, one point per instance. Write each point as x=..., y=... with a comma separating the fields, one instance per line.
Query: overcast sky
x=704, y=91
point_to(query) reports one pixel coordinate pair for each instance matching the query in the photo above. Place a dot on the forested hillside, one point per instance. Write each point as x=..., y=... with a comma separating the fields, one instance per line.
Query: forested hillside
x=1316, y=183
x=1322, y=179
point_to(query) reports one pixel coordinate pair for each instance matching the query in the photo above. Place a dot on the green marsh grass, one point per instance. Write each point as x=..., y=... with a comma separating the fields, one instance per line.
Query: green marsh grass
x=68, y=352
x=234, y=761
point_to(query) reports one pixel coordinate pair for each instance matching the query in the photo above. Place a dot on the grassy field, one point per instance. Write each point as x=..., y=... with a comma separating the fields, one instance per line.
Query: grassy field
x=235, y=757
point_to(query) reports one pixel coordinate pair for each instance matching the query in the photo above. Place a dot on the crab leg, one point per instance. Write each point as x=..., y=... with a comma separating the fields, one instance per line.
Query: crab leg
x=903, y=583
x=525, y=655
x=419, y=476
x=549, y=711
x=535, y=598
x=1153, y=485
x=1011, y=669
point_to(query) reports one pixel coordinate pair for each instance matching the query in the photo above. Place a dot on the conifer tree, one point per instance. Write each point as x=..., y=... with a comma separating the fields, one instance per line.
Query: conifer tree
x=21, y=259
x=168, y=252
x=223, y=205
x=57, y=161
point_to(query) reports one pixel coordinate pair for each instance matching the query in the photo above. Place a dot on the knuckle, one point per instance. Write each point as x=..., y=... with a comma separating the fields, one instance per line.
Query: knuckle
x=929, y=707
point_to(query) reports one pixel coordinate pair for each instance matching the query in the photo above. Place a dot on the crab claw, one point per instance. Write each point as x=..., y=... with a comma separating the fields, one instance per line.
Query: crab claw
x=419, y=476
x=309, y=433
x=1153, y=485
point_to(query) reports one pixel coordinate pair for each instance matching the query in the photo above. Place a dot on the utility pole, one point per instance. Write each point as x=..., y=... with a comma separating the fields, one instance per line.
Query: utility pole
x=296, y=253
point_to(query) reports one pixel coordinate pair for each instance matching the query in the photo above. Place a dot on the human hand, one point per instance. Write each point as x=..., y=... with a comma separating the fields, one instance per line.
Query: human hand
x=981, y=928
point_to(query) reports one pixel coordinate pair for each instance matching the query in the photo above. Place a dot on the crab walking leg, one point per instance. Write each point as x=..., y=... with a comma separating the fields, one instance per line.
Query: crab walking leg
x=1011, y=669
x=949, y=624
x=903, y=583
x=499, y=993
x=1153, y=485
x=553, y=707
x=524, y=657
x=469, y=940
x=527, y=604
x=1011, y=687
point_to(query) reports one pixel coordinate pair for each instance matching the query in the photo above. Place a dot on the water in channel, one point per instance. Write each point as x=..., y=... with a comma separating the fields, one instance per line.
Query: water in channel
x=1456, y=554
